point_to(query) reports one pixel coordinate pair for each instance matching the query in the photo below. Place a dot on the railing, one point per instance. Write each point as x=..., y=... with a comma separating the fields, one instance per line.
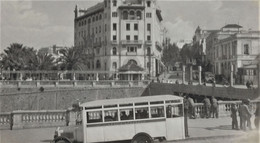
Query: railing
x=132, y=42
x=5, y=121
x=224, y=108
x=70, y=83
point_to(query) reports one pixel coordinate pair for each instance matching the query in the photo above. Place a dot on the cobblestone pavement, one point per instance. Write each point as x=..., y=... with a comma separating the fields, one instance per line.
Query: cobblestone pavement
x=200, y=131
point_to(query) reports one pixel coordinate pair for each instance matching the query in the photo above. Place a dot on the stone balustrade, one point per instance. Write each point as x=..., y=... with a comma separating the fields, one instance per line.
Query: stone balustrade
x=73, y=83
x=53, y=118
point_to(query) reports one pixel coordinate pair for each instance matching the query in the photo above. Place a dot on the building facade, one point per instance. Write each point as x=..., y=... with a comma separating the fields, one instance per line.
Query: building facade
x=115, y=33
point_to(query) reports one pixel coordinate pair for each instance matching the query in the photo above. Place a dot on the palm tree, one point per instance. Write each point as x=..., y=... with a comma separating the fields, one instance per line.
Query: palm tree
x=41, y=61
x=72, y=58
x=17, y=57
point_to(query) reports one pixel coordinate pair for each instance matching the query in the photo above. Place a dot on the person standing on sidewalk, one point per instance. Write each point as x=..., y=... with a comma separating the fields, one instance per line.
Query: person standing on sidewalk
x=207, y=106
x=192, y=114
x=234, y=116
x=245, y=115
x=186, y=110
x=214, y=107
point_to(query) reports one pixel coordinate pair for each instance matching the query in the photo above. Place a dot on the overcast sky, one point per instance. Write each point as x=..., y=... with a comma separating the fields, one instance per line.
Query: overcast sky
x=44, y=23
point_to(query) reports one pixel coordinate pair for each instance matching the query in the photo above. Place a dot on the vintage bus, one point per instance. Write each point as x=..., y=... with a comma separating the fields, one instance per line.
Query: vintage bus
x=139, y=119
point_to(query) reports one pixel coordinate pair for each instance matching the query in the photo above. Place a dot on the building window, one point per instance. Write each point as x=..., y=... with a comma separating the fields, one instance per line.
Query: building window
x=105, y=27
x=246, y=49
x=100, y=17
x=114, y=51
x=127, y=26
x=132, y=15
x=131, y=49
x=114, y=37
x=98, y=64
x=135, y=26
x=148, y=15
x=125, y=15
x=127, y=37
x=96, y=30
x=97, y=18
x=93, y=19
x=139, y=15
x=114, y=14
x=89, y=20
x=114, y=26
x=114, y=65
x=136, y=37
x=148, y=27
x=148, y=50
x=148, y=3
x=114, y=2
x=98, y=51
x=99, y=29
x=105, y=3
x=149, y=38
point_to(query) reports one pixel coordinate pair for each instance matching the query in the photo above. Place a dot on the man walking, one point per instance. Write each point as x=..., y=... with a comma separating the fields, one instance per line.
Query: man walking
x=192, y=114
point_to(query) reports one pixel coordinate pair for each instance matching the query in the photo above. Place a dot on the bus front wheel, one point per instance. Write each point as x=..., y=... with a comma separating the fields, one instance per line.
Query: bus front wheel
x=142, y=138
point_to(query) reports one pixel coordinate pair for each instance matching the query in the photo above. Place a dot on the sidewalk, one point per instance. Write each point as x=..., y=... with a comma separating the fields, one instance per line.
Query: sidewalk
x=210, y=130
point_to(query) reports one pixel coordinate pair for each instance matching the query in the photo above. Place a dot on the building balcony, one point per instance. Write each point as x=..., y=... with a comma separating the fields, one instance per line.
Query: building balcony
x=132, y=42
x=114, y=42
x=148, y=42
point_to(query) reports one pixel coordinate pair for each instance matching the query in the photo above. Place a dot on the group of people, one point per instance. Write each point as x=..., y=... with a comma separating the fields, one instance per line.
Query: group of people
x=249, y=84
x=244, y=115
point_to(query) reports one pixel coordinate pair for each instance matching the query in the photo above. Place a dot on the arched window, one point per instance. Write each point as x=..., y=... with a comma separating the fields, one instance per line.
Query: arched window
x=132, y=62
x=114, y=51
x=125, y=15
x=93, y=18
x=114, y=65
x=132, y=15
x=139, y=15
x=89, y=20
x=98, y=64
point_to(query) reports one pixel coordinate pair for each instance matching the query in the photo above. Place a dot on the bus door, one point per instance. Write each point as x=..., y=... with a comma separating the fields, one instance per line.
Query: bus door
x=175, y=122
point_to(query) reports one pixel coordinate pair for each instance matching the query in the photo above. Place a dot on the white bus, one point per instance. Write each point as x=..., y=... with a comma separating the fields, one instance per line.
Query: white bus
x=139, y=119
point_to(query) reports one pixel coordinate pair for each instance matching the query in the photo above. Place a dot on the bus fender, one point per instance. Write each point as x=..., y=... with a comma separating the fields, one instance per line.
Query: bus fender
x=61, y=138
x=143, y=134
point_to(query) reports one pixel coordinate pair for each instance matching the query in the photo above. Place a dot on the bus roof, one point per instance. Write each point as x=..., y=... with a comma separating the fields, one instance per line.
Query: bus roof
x=130, y=100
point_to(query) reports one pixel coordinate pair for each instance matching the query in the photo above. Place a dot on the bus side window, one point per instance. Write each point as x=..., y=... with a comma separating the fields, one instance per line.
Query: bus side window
x=94, y=116
x=157, y=112
x=126, y=114
x=141, y=113
x=174, y=111
x=111, y=115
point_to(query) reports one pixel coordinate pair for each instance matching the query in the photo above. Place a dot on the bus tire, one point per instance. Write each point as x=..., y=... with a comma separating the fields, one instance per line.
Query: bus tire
x=142, y=138
x=61, y=140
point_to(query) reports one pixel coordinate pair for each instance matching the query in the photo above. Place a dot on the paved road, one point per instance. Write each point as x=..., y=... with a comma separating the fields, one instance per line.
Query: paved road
x=200, y=131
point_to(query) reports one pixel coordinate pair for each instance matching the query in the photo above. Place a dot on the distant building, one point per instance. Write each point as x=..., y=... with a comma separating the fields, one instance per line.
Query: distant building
x=52, y=50
x=181, y=43
x=117, y=33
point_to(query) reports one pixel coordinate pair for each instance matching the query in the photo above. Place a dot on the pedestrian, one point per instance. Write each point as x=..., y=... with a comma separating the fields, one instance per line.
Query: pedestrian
x=234, y=116
x=214, y=107
x=186, y=110
x=248, y=84
x=177, y=81
x=207, y=106
x=257, y=115
x=245, y=115
x=192, y=112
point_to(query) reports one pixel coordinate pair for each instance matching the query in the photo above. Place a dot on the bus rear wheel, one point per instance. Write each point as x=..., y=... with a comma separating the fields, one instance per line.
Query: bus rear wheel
x=142, y=138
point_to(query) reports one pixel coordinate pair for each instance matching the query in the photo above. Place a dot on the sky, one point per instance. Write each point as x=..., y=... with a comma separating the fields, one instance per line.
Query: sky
x=45, y=23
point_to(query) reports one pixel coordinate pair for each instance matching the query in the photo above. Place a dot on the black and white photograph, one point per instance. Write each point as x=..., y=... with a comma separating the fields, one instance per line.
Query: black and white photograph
x=129, y=71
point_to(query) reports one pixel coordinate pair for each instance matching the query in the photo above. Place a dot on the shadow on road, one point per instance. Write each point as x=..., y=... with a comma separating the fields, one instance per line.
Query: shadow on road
x=222, y=127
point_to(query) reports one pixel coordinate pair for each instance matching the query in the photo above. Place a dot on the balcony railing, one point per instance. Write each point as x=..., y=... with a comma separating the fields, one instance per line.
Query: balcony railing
x=148, y=42
x=114, y=42
x=135, y=42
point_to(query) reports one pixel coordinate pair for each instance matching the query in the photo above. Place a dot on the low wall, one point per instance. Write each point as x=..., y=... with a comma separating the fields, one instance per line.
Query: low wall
x=60, y=98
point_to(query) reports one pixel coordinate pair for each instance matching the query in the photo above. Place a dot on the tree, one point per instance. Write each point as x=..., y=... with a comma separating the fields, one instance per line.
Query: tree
x=185, y=53
x=41, y=61
x=171, y=55
x=72, y=58
x=17, y=57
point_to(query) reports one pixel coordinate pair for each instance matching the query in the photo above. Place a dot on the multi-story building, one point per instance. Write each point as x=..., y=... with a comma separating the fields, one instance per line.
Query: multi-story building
x=118, y=33
x=238, y=50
